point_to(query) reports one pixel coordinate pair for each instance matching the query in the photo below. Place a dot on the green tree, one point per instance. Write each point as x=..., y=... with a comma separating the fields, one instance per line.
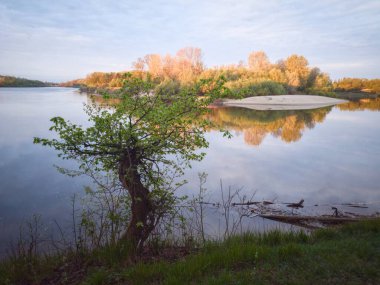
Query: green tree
x=141, y=139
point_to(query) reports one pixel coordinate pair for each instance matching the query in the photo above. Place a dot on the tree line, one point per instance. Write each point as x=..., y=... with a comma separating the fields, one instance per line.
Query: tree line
x=11, y=81
x=358, y=84
x=259, y=76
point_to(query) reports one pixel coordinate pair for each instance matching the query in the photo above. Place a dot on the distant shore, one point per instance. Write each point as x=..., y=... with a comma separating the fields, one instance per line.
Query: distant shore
x=284, y=102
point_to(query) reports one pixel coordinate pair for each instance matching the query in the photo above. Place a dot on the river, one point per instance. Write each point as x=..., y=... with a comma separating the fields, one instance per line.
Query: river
x=324, y=156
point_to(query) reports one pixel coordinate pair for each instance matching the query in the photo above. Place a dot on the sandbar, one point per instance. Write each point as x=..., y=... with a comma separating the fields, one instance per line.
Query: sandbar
x=284, y=102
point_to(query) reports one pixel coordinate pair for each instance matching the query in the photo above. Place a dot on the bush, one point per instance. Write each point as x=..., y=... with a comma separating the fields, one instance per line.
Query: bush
x=258, y=89
x=168, y=87
x=321, y=92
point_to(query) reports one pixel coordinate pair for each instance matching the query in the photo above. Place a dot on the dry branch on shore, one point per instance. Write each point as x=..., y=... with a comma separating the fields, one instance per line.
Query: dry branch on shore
x=312, y=222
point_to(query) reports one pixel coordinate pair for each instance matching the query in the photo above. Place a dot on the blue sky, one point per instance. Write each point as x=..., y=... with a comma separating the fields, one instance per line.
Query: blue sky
x=62, y=40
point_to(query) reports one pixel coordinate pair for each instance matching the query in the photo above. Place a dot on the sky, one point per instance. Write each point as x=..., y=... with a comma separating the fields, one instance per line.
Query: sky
x=65, y=39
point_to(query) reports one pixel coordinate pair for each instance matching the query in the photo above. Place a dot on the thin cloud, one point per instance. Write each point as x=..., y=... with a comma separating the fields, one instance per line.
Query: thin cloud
x=60, y=40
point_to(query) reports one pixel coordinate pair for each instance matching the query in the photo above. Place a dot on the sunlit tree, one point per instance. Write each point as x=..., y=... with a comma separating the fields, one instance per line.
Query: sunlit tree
x=297, y=70
x=258, y=61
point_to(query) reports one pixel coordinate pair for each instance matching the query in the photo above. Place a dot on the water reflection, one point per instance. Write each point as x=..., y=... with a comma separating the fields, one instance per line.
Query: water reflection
x=256, y=125
x=101, y=101
x=338, y=161
x=29, y=182
x=361, y=105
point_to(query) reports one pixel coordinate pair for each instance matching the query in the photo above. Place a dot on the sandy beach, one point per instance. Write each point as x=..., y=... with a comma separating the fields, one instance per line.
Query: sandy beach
x=284, y=102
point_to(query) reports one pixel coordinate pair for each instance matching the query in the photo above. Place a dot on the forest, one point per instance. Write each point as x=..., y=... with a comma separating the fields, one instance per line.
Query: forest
x=259, y=76
x=358, y=84
x=11, y=81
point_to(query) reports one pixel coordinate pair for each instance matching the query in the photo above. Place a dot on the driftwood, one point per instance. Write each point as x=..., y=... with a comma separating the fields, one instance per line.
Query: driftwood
x=265, y=203
x=295, y=205
x=363, y=206
x=313, y=222
x=245, y=204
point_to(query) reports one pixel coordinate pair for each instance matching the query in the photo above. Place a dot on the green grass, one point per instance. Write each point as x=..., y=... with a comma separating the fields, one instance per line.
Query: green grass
x=346, y=255
x=349, y=255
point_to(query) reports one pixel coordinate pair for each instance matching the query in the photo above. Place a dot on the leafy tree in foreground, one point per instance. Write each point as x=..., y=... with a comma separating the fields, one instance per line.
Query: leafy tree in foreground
x=141, y=139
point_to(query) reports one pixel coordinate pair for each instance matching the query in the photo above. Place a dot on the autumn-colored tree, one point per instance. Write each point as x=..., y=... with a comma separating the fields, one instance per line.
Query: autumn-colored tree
x=154, y=63
x=297, y=70
x=168, y=66
x=277, y=75
x=323, y=82
x=258, y=61
x=193, y=56
x=139, y=64
x=185, y=66
x=358, y=84
x=173, y=72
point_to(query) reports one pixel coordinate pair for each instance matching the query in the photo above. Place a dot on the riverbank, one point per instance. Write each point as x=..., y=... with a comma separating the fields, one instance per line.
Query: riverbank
x=347, y=255
x=343, y=255
x=284, y=102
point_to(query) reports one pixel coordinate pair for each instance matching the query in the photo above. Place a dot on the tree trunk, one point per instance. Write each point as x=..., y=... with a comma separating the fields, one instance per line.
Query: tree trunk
x=142, y=209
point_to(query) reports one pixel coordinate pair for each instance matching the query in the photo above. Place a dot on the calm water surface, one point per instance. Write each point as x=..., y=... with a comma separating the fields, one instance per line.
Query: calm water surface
x=329, y=155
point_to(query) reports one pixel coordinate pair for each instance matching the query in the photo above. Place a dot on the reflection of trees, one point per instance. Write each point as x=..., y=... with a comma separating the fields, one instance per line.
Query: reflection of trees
x=102, y=102
x=255, y=125
x=361, y=105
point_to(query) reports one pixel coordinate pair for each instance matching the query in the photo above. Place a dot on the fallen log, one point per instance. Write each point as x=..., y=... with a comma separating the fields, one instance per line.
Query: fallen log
x=295, y=205
x=362, y=206
x=245, y=204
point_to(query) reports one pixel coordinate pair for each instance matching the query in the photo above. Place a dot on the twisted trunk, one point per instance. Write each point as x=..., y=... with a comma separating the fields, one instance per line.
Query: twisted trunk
x=142, y=209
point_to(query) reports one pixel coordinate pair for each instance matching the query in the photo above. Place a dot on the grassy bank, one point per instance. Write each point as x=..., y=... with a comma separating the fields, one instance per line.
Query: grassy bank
x=350, y=255
x=346, y=255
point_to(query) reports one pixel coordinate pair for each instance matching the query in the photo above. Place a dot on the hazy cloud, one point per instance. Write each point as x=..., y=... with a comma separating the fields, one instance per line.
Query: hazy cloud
x=61, y=40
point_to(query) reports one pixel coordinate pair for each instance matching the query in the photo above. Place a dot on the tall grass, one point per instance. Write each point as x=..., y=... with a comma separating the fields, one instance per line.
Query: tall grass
x=348, y=255
x=345, y=255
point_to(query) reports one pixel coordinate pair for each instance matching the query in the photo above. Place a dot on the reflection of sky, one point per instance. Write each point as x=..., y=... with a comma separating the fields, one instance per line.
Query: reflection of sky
x=336, y=161
x=29, y=183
